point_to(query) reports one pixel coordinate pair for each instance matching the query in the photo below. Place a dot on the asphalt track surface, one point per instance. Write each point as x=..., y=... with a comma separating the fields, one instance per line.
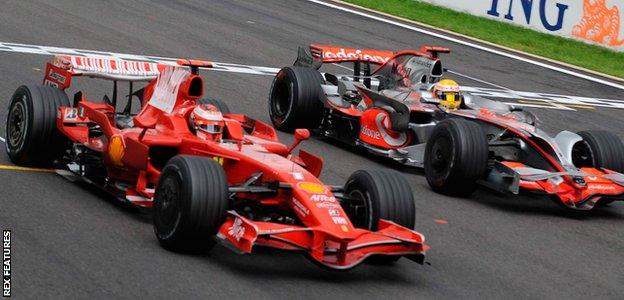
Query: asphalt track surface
x=70, y=241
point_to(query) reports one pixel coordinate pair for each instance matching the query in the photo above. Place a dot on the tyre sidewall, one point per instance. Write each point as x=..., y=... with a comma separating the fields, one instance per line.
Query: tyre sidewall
x=468, y=160
x=171, y=172
x=22, y=96
x=446, y=131
x=361, y=183
x=284, y=76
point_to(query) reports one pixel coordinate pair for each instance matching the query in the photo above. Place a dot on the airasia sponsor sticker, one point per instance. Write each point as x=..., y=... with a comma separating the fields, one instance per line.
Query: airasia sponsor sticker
x=323, y=198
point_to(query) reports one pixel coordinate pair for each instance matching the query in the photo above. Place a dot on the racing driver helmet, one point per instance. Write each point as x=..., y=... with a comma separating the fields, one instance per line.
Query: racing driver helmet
x=449, y=94
x=207, y=121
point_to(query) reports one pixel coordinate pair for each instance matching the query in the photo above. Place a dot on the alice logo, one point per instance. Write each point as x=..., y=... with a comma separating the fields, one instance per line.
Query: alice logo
x=527, y=7
x=599, y=23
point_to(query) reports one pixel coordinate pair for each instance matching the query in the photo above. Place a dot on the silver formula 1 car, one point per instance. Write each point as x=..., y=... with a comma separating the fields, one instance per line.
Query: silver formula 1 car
x=390, y=106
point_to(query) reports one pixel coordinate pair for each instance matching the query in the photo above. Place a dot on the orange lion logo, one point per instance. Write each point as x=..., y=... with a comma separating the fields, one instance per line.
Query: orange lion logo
x=599, y=24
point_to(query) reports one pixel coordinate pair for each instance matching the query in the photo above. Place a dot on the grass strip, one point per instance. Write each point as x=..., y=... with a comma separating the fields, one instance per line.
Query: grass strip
x=562, y=49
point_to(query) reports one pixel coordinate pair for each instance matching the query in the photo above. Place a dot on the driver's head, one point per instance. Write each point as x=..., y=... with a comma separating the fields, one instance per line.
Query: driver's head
x=207, y=121
x=449, y=94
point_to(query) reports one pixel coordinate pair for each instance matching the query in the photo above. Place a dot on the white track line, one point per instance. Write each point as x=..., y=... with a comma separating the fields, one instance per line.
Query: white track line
x=499, y=92
x=470, y=44
x=479, y=80
x=50, y=50
x=2, y=139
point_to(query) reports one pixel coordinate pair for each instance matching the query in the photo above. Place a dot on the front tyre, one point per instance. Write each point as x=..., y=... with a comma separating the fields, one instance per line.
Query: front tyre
x=190, y=203
x=599, y=149
x=32, y=138
x=379, y=194
x=295, y=99
x=456, y=157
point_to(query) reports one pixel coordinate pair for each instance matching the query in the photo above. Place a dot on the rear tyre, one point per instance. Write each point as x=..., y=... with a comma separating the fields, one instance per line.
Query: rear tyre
x=220, y=105
x=456, y=157
x=295, y=99
x=599, y=149
x=190, y=203
x=379, y=194
x=32, y=138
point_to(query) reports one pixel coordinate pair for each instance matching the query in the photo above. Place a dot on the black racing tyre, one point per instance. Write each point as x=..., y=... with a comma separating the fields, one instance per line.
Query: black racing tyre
x=599, y=149
x=456, y=157
x=295, y=99
x=220, y=105
x=379, y=194
x=32, y=138
x=190, y=203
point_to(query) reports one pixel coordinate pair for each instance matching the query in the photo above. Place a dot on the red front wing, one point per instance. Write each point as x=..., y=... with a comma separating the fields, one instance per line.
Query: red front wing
x=322, y=245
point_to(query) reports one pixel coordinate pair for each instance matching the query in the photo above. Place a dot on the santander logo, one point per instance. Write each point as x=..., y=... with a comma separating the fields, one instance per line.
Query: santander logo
x=343, y=53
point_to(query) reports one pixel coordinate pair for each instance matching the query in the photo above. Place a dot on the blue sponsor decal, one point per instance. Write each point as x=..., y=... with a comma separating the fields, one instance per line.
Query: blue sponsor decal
x=527, y=7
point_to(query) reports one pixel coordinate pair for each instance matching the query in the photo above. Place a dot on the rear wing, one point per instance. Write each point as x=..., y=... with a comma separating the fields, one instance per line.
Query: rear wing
x=60, y=71
x=333, y=54
x=318, y=54
x=366, y=62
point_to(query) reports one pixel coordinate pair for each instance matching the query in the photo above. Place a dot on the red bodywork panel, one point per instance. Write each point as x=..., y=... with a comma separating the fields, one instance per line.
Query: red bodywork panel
x=251, y=146
x=375, y=130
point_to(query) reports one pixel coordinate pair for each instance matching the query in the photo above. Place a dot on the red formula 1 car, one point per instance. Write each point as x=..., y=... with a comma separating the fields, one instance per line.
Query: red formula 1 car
x=206, y=172
x=395, y=104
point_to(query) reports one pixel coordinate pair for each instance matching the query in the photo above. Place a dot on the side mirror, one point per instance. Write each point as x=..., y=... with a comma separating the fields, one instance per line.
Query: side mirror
x=301, y=134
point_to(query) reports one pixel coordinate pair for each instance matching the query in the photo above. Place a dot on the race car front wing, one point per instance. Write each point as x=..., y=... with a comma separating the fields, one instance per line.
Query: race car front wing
x=581, y=189
x=242, y=234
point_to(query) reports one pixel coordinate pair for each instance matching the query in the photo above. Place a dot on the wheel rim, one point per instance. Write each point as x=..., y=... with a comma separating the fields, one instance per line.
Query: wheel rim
x=281, y=100
x=441, y=155
x=582, y=155
x=168, y=209
x=17, y=124
x=358, y=209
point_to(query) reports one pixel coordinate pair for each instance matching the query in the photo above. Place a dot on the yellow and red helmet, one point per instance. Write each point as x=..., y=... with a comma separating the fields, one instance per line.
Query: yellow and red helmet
x=207, y=121
x=449, y=94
